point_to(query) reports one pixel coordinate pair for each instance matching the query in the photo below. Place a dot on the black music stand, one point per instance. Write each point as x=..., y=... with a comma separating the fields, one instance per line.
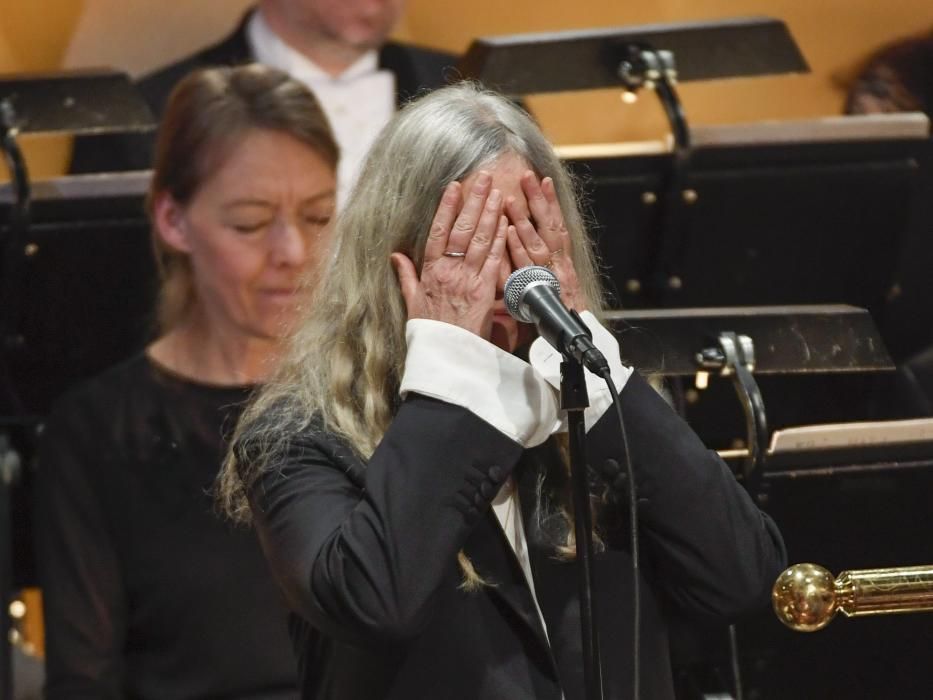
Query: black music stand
x=738, y=346
x=649, y=56
x=522, y=64
x=742, y=343
x=89, y=101
x=857, y=498
x=77, y=102
x=801, y=339
x=802, y=212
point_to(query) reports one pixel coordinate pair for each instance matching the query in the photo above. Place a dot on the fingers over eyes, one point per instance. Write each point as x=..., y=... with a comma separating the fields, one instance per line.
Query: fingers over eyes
x=545, y=209
x=534, y=248
x=468, y=219
x=485, y=231
x=497, y=251
x=447, y=211
x=469, y=222
x=517, y=251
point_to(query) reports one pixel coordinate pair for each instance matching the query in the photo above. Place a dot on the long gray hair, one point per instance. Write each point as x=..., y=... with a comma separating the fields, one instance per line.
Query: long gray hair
x=344, y=362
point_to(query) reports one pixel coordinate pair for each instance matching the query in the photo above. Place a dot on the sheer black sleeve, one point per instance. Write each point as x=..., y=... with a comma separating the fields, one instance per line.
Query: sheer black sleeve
x=83, y=595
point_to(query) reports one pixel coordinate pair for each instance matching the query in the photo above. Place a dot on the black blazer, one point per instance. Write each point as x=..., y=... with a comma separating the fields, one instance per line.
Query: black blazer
x=367, y=556
x=416, y=69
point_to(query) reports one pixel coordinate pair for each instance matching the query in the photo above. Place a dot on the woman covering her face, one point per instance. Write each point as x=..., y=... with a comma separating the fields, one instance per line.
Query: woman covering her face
x=405, y=466
x=148, y=594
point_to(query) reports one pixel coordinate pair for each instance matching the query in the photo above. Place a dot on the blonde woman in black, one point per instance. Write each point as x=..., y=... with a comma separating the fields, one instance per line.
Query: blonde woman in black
x=148, y=593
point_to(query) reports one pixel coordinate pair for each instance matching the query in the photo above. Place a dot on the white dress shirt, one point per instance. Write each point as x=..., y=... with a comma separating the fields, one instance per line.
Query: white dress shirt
x=358, y=102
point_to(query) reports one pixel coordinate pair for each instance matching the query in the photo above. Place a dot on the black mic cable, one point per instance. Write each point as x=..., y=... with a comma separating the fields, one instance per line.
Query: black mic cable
x=633, y=541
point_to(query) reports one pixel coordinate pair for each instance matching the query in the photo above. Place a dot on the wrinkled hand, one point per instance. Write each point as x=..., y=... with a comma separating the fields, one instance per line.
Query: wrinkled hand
x=538, y=236
x=462, y=257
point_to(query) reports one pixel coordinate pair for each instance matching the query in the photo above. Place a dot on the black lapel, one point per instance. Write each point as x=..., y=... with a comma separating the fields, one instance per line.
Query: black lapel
x=491, y=555
x=394, y=58
x=416, y=69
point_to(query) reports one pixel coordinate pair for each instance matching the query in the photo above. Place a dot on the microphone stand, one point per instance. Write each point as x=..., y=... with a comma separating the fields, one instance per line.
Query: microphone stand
x=574, y=399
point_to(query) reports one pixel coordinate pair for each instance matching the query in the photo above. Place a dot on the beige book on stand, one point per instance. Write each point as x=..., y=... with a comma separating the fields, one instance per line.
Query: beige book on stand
x=857, y=442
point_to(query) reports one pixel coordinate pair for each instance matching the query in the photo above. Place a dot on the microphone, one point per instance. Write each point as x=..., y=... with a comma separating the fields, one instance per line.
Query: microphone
x=532, y=295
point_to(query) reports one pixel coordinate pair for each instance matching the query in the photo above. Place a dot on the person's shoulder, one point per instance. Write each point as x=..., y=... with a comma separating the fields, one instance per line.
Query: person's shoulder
x=282, y=421
x=420, y=53
x=106, y=387
x=282, y=431
x=424, y=59
x=417, y=68
x=85, y=417
x=233, y=49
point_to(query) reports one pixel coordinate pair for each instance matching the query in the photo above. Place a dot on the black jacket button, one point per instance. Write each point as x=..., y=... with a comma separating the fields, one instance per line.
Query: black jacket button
x=611, y=468
x=488, y=489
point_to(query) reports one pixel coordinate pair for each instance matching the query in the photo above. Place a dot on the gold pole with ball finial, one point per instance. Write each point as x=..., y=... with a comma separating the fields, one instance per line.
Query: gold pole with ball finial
x=806, y=597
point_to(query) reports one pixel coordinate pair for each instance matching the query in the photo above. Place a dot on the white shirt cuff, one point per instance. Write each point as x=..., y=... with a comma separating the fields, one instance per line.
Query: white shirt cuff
x=452, y=364
x=546, y=360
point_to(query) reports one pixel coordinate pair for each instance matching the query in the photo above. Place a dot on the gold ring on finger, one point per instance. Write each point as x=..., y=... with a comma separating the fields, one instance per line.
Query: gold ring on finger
x=550, y=260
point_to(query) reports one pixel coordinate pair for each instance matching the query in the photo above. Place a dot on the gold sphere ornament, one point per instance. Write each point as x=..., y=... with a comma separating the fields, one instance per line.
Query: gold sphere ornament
x=804, y=597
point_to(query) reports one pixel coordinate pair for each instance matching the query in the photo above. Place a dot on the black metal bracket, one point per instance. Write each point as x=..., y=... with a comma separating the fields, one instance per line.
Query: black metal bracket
x=734, y=356
x=655, y=70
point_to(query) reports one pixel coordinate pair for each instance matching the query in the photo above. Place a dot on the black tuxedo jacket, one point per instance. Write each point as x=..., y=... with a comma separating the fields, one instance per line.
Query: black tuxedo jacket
x=367, y=556
x=416, y=69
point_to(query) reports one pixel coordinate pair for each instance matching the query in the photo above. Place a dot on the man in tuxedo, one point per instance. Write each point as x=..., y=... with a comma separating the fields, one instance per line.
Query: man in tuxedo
x=339, y=48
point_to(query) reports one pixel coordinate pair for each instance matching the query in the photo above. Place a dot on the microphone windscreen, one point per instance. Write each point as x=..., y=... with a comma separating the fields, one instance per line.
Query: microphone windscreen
x=520, y=282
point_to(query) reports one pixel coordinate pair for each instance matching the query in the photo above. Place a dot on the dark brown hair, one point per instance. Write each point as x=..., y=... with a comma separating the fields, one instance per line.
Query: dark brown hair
x=896, y=78
x=207, y=114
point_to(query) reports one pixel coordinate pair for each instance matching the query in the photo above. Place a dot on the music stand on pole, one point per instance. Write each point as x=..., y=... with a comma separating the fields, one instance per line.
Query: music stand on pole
x=76, y=102
x=631, y=58
x=651, y=56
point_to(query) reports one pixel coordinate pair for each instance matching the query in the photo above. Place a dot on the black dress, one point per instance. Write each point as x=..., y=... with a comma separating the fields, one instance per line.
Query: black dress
x=148, y=592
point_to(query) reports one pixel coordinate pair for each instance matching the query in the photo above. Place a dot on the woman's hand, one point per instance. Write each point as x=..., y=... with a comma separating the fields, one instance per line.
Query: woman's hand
x=462, y=258
x=538, y=236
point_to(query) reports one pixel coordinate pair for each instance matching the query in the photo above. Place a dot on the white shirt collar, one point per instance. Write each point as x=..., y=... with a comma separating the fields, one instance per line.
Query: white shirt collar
x=269, y=48
x=358, y=102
